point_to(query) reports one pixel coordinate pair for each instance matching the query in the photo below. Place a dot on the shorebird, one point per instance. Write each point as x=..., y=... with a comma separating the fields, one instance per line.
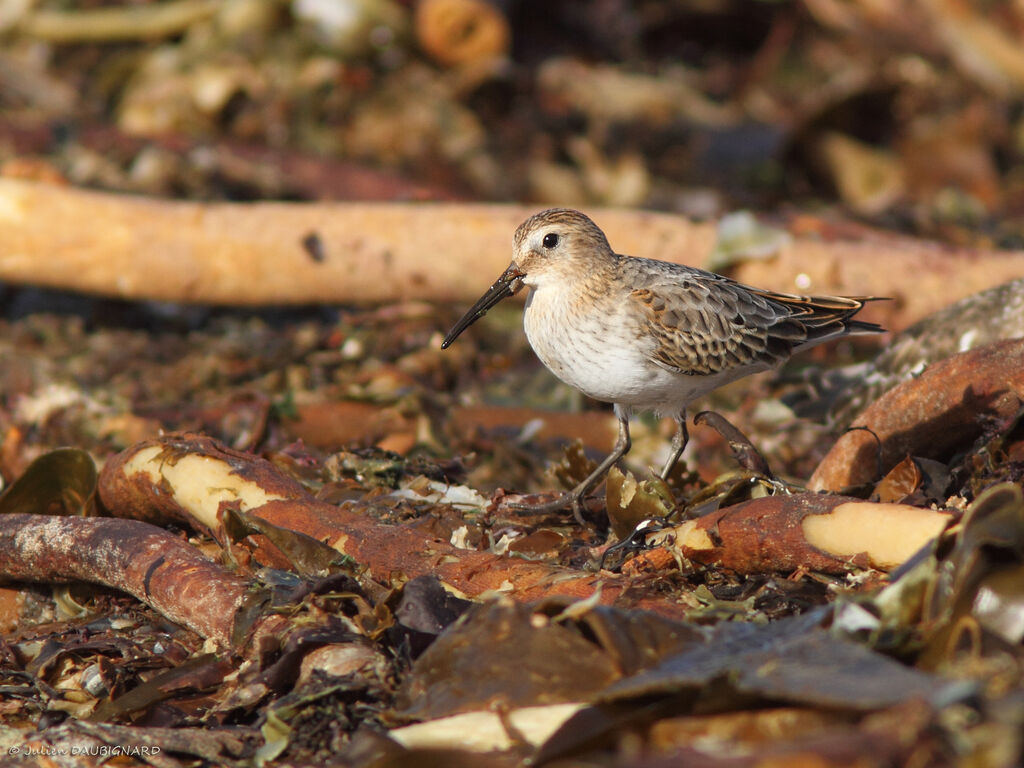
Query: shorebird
x=647, y=335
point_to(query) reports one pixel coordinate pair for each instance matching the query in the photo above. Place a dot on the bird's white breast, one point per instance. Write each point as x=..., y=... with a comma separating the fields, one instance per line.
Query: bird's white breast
x=594, y=346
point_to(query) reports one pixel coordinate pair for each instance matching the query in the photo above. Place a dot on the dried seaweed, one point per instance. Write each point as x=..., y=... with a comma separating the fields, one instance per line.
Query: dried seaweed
x=327, y=566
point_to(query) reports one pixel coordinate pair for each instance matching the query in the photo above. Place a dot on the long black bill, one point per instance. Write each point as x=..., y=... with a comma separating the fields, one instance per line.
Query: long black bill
x=503, y=287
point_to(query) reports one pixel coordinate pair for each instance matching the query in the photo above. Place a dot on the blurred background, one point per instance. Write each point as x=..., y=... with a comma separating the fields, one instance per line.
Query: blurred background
x=905, y=114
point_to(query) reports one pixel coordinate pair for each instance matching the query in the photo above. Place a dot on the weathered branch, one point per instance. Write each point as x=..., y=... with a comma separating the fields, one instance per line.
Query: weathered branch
x=944, y=408
x=158, y=568
x=189, y=477
x=811, y=531
x=147, y=22
x=276, y=253
x=302, y=253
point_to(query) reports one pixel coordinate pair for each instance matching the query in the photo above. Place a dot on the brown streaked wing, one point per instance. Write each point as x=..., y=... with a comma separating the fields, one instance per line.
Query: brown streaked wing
x=703, y=327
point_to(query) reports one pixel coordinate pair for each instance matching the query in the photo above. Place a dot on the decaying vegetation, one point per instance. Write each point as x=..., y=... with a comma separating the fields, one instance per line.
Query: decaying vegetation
x=252, y=514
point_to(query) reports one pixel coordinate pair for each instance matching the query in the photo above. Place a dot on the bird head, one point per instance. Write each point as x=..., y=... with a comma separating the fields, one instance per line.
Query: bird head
x=558, y=245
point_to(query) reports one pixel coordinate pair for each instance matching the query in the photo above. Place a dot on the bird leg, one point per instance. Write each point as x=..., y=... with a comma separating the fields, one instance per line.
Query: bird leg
x=574, y=497
x=679, y=441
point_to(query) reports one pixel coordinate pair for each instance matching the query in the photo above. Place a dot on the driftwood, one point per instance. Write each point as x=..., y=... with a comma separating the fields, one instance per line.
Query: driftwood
x=809, y=531
x=943, y=409
x=155, y=566
x=111, y=23
x=189, y=478
x=193, y=479
x=299, y=253
x=275, y=253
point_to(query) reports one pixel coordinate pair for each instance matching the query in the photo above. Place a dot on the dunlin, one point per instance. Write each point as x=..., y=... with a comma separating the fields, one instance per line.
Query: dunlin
x=646, y=334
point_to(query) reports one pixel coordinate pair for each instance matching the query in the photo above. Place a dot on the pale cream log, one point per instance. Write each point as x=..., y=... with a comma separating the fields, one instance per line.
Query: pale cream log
x=301, y=253
x=276, y=253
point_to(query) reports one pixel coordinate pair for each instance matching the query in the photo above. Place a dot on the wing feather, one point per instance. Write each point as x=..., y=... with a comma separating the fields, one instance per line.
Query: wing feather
x=703, y=324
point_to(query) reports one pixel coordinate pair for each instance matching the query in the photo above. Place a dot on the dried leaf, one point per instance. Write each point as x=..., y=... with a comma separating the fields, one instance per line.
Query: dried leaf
x=574, y=466
x=62, y=482
x=505, y=654
x=310, y=558
x=630, y=501
x=902, y=480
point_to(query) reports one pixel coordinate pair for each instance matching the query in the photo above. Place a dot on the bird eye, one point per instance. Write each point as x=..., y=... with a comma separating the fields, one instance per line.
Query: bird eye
x=550, y=240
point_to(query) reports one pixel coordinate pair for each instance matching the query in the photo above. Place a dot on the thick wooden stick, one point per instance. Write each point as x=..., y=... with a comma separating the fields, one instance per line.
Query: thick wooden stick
x=275, y=253
x=186, y=478
x=147, y=22
x=809, y=531
x=943, y=410
x=189, y=477
x=303, y=253
x=158, y=568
